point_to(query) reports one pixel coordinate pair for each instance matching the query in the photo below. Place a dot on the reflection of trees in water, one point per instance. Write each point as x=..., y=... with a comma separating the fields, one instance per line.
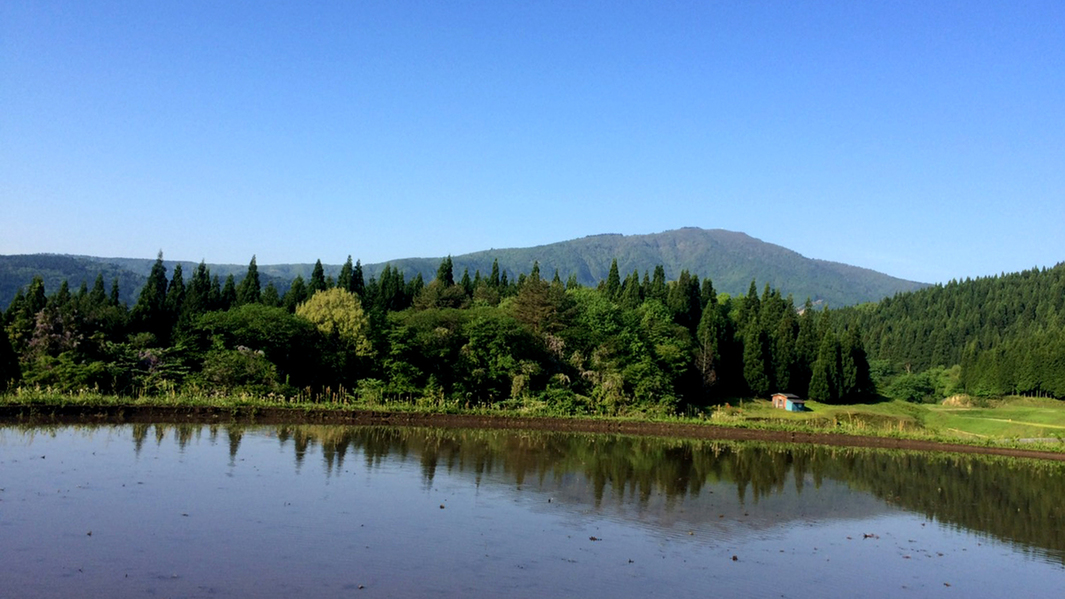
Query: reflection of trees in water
x=1014, y=500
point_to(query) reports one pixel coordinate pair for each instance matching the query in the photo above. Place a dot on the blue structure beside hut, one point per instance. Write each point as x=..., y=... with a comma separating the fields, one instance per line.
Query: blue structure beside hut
x=789, y=402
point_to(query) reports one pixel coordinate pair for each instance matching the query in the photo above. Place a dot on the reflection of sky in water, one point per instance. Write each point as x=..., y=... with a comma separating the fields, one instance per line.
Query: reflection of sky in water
x=194, y=522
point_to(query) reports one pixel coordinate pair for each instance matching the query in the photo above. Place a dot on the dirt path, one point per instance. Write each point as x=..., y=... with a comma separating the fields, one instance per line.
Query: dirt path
x=204, y=415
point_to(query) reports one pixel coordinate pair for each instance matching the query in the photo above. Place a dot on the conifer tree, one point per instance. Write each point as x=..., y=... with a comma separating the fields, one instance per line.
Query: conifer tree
x=754, y=360
x=358, y=283
x=98, y=295
x=466, y=283
x=707, y=295
x=270, y=296
x=10, y=373
x=229, y=293
x=317, y=282
x=214, y=296
x=630, y=296
x=444, y=274
x=115, y=297
x=149, y=313
x=250, y=289
x=613, y=281
x=825, y=376
x=297, y=294
x=347, y=272
x=493, y=278
x=198, y=292
x=658, y=289
x=175, y=294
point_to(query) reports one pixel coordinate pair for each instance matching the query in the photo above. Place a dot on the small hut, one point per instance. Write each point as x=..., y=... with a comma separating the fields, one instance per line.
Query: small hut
x=789, y=402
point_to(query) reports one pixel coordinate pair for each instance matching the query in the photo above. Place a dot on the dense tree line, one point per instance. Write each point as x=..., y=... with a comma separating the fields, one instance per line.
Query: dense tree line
x=989, y=336
x=632, y=342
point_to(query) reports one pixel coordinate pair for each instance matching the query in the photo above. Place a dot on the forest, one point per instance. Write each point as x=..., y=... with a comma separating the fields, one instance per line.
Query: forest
x=991, y=336
x=629, y=344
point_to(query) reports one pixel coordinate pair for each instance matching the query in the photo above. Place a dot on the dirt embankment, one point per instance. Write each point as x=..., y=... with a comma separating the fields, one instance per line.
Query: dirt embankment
x=208, y=415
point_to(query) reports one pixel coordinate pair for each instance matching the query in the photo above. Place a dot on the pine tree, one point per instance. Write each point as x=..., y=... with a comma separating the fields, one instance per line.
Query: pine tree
x=10, y=373
x=317, y=282
x=198, y=292
x=149, y=313
x=466, y=283
x=250, y=289
x=825, y=376
x=297, y=294
x=347, y=273
x=98, y=295
x=114, y=298
x=229, y=293
x=630, y=297
x=754, y=361
x=444, y=274
x=613, y=281
x=358, y=284
x=270, y=296
x=493, y=279
x=175, y=294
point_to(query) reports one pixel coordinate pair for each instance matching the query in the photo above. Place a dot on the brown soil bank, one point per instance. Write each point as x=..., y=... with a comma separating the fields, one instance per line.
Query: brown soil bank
x=208, y=415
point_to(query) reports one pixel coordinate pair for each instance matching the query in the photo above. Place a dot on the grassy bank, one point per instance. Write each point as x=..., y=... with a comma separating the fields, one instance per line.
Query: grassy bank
x=1016, y=421
x=1011, y=420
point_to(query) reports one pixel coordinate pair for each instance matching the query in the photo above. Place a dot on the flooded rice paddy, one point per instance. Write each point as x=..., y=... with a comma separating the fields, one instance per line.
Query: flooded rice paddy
x=335, y=511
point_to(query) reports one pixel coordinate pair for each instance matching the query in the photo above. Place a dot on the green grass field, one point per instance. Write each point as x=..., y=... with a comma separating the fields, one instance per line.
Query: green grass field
x=1008, y=419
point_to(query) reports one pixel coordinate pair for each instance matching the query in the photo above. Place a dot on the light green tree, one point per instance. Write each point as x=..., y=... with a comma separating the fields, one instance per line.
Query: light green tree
x=338, y=314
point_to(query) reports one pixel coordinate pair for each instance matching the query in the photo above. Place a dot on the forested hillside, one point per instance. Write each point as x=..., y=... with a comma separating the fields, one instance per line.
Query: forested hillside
x=629, y=344
x=990, y=336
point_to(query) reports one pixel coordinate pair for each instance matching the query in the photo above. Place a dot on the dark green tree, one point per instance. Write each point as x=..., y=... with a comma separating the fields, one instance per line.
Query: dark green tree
x=613, y=281
x=10, y=373
x=444, y=274
x=297, y=294
x=358, y=283
x=755, y=370
x=229, y=293
x=149, y=314
x=825, y=377
x=270, y=296
x=250, y=289
x=175, y=294
x=317, y=282
x=347, y=273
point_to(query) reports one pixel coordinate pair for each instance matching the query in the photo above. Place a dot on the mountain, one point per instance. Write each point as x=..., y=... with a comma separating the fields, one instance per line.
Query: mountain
x=731, y=260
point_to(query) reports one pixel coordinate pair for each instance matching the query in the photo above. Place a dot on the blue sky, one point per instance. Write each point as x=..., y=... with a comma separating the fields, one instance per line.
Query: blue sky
x=922, y=139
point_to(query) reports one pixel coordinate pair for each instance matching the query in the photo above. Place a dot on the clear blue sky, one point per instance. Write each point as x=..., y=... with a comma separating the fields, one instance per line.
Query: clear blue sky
x=922, y=139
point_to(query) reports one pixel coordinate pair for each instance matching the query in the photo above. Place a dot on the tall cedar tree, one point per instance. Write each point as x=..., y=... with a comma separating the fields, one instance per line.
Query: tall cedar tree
x=445, y=273
x=613, y=281
x=149, y=313
x=250, y=289
x=317, y=282
x=345, y=277
x=358, y=283
x=229, y=293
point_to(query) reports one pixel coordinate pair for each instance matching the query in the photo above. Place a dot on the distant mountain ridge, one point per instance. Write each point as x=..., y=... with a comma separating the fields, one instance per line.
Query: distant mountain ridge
x=731, y=260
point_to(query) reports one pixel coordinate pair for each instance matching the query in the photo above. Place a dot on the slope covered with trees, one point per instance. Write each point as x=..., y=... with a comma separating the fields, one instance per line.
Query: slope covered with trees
x=631, y=343
x=989, y=336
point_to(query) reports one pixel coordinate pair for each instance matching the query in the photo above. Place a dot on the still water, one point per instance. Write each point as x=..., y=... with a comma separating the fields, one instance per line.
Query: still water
x=331, y=511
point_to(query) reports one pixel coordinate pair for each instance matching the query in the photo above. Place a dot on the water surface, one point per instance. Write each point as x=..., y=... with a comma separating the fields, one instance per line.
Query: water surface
x=216, y=511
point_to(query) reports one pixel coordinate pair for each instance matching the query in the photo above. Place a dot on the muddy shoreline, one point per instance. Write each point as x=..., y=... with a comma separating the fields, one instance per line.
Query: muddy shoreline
x=264, y=415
